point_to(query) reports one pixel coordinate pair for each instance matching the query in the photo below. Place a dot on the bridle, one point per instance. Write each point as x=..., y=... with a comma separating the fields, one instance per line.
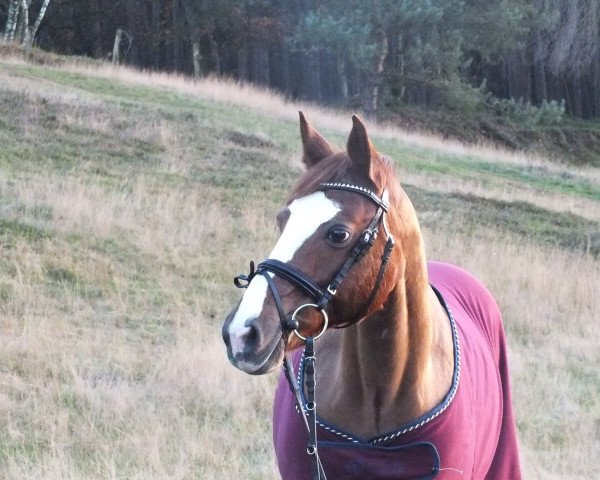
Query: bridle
x=322, y=296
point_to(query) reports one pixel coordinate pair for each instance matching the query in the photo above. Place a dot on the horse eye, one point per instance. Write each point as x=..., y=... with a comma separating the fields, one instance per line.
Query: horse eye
x=338, y=235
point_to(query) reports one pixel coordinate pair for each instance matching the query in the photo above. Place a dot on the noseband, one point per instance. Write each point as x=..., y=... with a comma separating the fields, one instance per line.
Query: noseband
x=270, y=267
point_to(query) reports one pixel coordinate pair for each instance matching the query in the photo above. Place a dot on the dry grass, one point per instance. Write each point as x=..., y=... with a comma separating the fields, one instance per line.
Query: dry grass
x=121, y=225
x=550, y=306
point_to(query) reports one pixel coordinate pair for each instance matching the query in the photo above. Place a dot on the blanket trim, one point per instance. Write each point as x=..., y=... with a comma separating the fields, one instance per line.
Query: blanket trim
x=413, y=425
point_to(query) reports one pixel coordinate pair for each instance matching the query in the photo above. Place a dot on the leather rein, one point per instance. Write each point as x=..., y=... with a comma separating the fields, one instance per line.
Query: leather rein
x=322, y=296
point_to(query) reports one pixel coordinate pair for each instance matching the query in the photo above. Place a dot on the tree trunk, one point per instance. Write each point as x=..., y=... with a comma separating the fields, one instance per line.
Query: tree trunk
x=401, y=69
x=177, y=56
x=539, y=71
x=312, y=76
x=11, y=20
x=242, y=63
x=197, y=58
x=28, y=41
x=214, y=53
x=260, y=64
x=40, y=17
x=279, y=69
x=285, y=71
x=576, y=97
x=26, y=32
x=32, y=32
x=117, y=46
x=539, y=82
x=155, y=33
x=373, y=78
x=21, y=25
x=518, y=77
x=587, y=102
x=567, y=94
x=96, y=29
x=341, y=67
x=595, y=84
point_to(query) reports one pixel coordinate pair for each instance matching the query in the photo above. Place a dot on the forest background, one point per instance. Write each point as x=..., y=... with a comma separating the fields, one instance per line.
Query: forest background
x=519, y=73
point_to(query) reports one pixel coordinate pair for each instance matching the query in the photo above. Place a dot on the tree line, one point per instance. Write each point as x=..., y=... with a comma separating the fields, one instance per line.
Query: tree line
x=382, y=54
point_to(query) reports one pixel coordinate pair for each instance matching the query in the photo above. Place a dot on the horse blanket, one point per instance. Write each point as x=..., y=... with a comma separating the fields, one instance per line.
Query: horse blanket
x=470, y=435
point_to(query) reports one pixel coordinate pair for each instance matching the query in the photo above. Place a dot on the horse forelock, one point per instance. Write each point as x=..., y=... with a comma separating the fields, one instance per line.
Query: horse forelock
x=331, y=169
x=338, y=168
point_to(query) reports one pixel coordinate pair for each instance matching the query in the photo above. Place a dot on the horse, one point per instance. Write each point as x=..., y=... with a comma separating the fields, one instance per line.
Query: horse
x=412, y=375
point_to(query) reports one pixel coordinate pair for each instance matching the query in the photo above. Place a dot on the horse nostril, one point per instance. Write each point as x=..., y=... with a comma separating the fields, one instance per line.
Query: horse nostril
x=243, y=339
x=251, y=337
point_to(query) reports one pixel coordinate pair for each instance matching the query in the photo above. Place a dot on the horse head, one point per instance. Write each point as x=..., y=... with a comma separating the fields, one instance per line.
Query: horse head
x=339, y=206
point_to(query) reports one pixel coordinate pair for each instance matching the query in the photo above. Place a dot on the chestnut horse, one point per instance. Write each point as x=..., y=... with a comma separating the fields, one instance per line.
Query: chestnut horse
x=412, y=375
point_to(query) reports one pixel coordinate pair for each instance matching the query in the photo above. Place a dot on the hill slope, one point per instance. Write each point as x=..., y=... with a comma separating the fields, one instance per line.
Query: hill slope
x=130, y=200
x=572, y=141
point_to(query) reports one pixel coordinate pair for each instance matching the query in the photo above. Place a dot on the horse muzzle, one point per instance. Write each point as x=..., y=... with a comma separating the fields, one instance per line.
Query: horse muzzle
x=253, y=348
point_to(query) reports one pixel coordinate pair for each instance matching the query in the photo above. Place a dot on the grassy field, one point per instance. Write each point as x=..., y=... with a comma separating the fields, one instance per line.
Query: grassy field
x=129, y=200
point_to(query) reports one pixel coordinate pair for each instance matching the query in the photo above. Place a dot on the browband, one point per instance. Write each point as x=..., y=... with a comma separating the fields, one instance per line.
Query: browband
x=356, y=189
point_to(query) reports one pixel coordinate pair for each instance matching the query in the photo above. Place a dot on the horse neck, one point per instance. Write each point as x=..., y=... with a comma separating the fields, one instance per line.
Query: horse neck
x=386, y=360
x=401, y=330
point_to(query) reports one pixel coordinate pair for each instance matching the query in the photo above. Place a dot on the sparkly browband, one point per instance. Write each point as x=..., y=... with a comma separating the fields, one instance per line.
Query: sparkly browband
x=355, y=188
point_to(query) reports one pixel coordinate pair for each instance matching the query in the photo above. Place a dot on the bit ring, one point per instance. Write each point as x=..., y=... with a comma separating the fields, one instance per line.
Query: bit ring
x=325, y=320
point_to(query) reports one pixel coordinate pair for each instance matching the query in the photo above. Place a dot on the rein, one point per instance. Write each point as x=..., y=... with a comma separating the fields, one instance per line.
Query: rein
x=322, y=296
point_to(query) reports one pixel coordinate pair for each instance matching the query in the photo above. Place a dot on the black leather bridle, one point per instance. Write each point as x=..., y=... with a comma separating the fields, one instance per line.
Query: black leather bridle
x=322, y=296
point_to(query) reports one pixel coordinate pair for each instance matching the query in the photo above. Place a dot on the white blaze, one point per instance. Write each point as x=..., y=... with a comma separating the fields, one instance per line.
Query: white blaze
x=306, y=215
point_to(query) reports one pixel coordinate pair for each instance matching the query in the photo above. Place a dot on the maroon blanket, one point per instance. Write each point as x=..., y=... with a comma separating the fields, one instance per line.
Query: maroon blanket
x=470, y=435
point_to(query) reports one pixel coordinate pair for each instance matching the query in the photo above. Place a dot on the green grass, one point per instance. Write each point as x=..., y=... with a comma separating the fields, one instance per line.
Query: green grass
x=468, y=213
x=13, y=230
x=471, y=167
x=537, y=177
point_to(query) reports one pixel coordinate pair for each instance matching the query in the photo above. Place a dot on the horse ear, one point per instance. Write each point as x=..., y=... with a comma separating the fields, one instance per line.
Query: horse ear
x=315, y=147
x=360, y=149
